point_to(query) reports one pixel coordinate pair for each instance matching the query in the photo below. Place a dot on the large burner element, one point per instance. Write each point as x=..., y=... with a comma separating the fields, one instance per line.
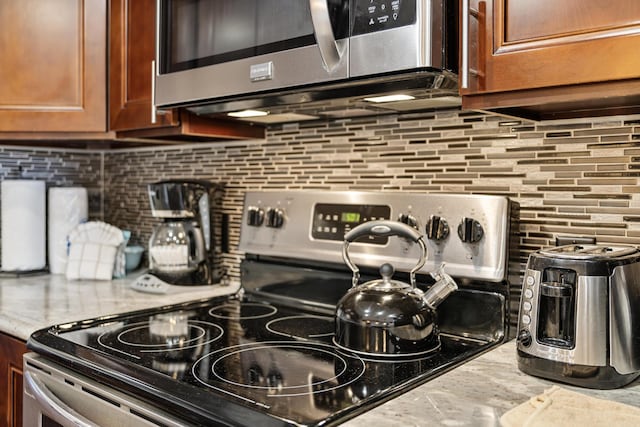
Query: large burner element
x=387, y=317
x=278, y=369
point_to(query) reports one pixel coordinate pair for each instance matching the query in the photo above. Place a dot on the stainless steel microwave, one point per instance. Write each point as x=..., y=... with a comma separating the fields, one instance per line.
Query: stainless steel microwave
x=220, y=55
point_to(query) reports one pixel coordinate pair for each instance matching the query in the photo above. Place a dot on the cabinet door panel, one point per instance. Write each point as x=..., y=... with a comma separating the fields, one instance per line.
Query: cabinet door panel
x=131, y=50
x=537, y=44
x=527, y=20
x=52, y=67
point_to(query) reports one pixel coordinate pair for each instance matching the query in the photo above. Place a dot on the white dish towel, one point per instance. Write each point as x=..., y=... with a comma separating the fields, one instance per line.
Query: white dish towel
x=92, y=251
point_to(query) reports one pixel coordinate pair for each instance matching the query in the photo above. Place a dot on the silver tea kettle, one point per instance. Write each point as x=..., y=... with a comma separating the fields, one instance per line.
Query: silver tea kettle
x=386, y=317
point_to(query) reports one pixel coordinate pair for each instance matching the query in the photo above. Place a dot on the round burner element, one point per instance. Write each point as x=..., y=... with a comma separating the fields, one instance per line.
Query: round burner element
x=278, y=369
x=237, y=310
x=304, y=327
x=160, y=336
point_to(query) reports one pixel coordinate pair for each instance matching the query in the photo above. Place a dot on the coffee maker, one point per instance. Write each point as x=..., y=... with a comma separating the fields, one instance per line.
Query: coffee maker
x=181, y=249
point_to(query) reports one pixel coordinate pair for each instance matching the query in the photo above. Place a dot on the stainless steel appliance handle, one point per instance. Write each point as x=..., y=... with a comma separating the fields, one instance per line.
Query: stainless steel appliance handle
x=154, y=111
x=331, y=50
x=54, y=407
x=464, y=66
x=154, y=69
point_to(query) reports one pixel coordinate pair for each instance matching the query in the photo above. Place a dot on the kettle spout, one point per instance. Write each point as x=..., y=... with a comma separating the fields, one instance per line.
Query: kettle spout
x=444, y=285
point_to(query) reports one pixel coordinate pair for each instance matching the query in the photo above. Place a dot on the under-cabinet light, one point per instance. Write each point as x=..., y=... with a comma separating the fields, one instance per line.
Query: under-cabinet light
x=390, y=98
x=248, y=113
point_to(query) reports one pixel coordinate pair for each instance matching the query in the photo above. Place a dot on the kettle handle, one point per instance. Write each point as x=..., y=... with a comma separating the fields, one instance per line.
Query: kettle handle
x=384, y=229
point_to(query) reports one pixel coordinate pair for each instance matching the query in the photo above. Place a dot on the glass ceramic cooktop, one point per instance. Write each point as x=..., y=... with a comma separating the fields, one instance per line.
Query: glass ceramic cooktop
x=240, y=362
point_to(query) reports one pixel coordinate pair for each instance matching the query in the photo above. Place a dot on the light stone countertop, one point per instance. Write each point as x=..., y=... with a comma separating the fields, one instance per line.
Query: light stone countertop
x=474, y=394
x=31, y=303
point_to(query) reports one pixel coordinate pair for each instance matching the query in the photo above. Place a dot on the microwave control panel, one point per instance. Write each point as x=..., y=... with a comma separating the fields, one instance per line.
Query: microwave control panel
x=370, y=16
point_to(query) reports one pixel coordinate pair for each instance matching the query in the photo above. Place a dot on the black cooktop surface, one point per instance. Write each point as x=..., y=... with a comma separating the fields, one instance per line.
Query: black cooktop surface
x=240, y=362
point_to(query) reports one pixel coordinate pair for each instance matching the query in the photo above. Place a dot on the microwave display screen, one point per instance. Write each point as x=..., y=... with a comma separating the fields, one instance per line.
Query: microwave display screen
x=198, y=33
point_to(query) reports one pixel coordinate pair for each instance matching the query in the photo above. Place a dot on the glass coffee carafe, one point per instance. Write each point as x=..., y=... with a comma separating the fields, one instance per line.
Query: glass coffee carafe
x=177, y=246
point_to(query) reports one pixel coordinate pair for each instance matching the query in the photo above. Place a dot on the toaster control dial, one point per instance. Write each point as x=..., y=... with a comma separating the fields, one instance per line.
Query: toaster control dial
x=437, y=228
x=524, y=338
x=470, y=230
x=275, y=217
x=408, y=219
x=255, y=216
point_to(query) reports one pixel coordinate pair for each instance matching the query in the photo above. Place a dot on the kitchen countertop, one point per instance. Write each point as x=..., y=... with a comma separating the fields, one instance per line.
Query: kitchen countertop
x=35, y=302
x=477, y=393
x=474, y=394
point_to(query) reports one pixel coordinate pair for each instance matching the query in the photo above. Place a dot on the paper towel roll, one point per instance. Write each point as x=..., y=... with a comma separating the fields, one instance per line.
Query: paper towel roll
x=68, y=207
x=23, y=225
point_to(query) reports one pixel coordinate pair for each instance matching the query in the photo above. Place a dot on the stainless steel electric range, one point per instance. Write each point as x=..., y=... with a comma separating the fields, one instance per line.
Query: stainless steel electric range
x=265, y=356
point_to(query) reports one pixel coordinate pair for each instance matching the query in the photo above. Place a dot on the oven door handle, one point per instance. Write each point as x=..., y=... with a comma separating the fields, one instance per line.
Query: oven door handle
x=331, y=50
x=55, y=409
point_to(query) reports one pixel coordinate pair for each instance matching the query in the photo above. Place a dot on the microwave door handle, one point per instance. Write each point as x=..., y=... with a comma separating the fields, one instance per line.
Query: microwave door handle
x=154, y=69
x=54, y=407
x=331, y=50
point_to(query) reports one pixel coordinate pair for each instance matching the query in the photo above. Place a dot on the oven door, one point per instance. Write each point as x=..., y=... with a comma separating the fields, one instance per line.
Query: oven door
x=54, y=396
x=210, y=49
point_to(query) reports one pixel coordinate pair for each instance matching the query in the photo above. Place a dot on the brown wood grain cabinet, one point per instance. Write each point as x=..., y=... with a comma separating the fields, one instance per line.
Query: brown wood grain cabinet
x=131, y=52
x=81, y=70
x=549, y=58
x=53, y=66
x=11, y=351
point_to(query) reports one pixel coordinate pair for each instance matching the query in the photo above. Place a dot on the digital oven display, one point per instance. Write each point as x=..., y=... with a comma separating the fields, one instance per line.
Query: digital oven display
x=333, y=221
x=350, y=217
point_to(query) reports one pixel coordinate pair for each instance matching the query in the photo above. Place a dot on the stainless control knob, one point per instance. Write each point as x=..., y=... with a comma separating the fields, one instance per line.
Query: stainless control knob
x=437, y=228
x=408, y=219
x=275, y=217
x=255, y=216
x=524, y=338
x=470, y=230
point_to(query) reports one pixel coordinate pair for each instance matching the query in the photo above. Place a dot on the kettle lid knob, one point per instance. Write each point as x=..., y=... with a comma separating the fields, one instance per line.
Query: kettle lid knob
x=386, y=271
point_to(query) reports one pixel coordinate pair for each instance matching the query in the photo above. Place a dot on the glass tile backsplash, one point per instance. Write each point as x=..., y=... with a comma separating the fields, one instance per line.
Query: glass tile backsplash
x=571, y=177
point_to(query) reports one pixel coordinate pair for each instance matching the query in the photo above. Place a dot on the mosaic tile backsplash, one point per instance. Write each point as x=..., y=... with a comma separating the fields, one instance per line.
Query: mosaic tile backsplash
x=572, y=178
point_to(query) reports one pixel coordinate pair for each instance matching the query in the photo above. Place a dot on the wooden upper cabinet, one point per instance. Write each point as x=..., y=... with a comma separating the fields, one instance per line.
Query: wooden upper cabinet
x=131, y=52
x=53, y=66
x=550, y=58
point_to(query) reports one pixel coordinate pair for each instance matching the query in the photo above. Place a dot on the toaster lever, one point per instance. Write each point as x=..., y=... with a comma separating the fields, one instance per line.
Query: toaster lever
x=555, y=289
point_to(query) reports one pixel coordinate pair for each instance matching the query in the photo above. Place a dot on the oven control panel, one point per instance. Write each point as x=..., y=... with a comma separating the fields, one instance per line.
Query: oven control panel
x=332, y=221
x=471, y=234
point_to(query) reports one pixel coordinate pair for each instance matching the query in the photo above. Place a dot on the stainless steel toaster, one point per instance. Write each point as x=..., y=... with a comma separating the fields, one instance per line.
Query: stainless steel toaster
x=579, y=319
